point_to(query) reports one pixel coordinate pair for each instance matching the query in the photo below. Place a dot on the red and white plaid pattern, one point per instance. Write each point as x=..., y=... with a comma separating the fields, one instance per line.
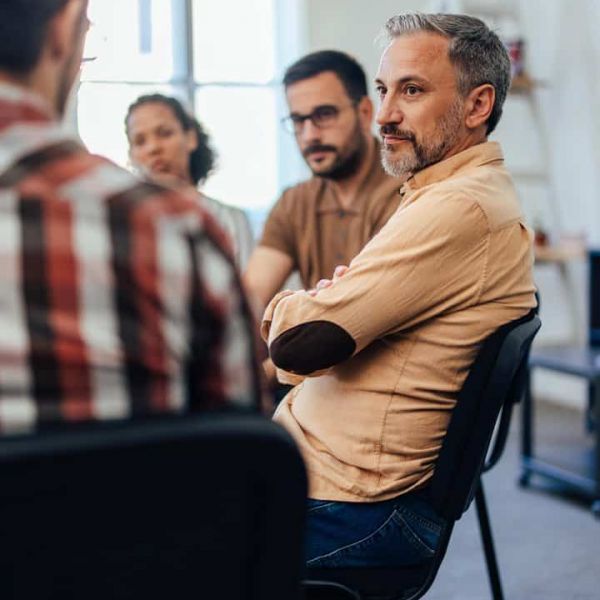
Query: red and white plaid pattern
x=117, y=297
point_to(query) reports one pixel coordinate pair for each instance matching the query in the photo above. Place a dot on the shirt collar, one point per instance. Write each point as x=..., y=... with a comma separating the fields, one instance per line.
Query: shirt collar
x=18, y=102
x=26, y=125
x=475, y=156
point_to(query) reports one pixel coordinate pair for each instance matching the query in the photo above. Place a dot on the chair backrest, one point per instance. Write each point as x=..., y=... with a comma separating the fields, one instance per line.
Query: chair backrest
x=494, y=381
x=194, y=507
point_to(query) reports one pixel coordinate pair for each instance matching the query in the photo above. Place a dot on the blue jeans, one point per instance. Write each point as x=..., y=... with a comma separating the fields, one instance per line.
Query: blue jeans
x=400, y=531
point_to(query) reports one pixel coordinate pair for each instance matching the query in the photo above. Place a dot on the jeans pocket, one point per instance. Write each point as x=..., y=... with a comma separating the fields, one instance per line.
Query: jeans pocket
x=421, y=532
x=404, y=538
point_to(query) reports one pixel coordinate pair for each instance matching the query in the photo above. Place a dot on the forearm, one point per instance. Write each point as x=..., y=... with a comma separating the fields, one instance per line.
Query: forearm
x=399, y=280
x=266, y=272
x=304, y=347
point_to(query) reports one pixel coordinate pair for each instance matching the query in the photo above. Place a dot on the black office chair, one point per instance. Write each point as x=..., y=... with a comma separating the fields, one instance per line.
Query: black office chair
x=495, y=382
x=174, y=508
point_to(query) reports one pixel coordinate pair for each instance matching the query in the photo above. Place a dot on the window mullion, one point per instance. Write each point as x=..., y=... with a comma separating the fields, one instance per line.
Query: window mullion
x=189, y=51
x=183, y=50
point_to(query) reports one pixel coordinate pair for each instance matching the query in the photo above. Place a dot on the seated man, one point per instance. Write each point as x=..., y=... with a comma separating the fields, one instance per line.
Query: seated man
x=117, y=298
x=386, y=346
x=325, y=221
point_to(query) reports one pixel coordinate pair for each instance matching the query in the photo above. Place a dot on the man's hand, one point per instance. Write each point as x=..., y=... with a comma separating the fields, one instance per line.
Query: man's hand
x=322, y=284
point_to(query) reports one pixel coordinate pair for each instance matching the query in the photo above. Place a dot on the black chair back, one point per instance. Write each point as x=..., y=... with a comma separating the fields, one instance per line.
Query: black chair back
x=494, y=383
x=183, y=507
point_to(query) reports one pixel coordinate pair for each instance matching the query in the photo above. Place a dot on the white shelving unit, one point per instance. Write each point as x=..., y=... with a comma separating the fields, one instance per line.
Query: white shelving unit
x=528, y=159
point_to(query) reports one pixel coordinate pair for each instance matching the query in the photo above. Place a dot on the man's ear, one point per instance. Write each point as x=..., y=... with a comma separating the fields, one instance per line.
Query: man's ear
x=60, y=34
x=365, y=113
x=479, y=105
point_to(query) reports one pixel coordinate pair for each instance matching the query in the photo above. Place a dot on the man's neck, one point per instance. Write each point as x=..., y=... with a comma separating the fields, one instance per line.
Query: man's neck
x=473, y=138
x=346, y=189
x=32, y=86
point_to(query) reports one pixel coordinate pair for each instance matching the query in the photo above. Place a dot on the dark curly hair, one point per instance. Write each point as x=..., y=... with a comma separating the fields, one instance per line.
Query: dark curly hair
x=203, y=158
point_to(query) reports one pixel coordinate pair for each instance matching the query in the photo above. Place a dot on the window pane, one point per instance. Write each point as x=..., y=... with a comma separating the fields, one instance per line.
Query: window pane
x=101, y=109
x=243, y=125
x=234, y=40
x=132, y=40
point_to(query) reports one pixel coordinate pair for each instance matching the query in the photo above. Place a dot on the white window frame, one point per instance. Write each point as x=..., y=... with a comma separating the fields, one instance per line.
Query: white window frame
x=290, y=43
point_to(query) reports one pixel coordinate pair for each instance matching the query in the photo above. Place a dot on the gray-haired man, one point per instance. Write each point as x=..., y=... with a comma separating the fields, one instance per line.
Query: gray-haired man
x=386, y=346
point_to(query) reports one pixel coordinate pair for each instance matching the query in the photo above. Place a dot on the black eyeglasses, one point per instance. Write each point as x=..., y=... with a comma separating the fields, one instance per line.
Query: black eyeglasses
x=321, y=117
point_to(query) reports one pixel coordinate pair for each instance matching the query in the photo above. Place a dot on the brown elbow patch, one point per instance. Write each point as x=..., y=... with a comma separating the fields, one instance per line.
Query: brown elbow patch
x=311, y=347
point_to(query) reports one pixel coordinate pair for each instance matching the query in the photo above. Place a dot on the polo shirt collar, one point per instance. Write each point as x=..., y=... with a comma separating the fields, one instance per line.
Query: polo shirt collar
x=330, y=204
x=475, y=156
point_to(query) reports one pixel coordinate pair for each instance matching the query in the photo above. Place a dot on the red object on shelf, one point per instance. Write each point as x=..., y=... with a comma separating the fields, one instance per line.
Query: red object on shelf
x=516, y=54
x=540, y=237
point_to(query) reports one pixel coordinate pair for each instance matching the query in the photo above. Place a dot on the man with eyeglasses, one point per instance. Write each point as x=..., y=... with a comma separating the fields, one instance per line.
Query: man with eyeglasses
x=325, y=221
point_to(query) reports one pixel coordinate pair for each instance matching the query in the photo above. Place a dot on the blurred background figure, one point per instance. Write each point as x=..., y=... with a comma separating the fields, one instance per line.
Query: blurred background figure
x=168, y=145
x=95, y=325
x=325, y=221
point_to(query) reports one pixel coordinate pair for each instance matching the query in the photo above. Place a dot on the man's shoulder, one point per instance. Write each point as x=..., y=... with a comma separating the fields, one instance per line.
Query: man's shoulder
x=291, y=213
x=94, y=181
x=486, y=188
x=301, y=196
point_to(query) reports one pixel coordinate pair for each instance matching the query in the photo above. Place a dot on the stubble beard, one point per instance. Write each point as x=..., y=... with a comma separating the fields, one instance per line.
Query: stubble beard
x=420, y=155
x=346, y=163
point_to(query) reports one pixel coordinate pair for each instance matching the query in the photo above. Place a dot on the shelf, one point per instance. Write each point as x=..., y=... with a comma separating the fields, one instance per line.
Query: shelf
x=534, y=176
x=559, y=253
x=524, y=84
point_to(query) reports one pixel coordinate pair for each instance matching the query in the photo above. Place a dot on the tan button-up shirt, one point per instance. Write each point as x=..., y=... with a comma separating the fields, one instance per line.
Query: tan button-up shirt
x=309, y=224
x=385, y=350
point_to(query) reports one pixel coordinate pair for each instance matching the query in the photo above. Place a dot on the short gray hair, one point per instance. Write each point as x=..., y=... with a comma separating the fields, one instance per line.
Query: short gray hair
x=475, y=50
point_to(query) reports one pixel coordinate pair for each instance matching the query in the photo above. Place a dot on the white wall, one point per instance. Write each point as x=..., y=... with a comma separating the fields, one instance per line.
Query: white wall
x=353, y=26
x=563, y=50
x=564, y=53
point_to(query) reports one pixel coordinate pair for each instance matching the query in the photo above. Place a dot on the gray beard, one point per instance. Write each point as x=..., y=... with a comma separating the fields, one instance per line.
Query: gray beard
x=419, y=159
x=424, y=155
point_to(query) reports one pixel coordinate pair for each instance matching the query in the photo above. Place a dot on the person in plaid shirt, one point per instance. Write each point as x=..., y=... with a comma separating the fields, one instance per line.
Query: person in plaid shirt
x=118, y=298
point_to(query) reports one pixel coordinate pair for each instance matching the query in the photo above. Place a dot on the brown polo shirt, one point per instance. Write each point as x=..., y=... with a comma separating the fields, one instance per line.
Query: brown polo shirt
x=308, y=223
x=384, y=351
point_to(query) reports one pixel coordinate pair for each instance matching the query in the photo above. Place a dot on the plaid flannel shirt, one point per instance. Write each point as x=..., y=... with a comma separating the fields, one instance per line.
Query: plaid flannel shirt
x=117, y=297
